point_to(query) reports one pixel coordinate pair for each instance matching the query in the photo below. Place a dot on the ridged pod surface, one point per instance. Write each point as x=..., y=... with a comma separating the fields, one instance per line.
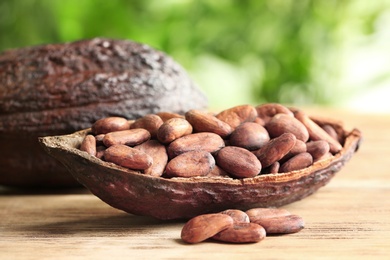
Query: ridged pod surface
x=58, y=89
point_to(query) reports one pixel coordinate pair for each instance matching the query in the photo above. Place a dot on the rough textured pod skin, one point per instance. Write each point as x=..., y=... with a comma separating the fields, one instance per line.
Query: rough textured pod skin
x=183, y=198
x=46, y=90
x=205, y=226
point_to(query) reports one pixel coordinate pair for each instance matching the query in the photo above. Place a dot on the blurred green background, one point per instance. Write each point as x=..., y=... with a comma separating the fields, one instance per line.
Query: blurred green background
x=305, y=52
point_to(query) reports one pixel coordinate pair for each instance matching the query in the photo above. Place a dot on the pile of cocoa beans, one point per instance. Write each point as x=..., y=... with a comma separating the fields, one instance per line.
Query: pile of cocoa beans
x=236, y=226
x=240, y=142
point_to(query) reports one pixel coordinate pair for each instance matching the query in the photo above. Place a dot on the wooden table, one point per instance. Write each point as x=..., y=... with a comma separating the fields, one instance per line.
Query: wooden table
x=347, y=219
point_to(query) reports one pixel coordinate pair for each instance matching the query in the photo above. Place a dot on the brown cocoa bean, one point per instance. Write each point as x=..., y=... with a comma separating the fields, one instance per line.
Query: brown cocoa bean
x=282, y=224
x=317, y=133
x=260, y=213
x=237, y=115
x=275, y=149
x=168, y=115
x=317, y=149
x=331, y=131
x=283, y=123
x=128, y=157
x=266, y=111
x=249, y=135
x=273, y=168
x=237, y=215
x=205, y=122
x=190, y=164
x=130, y=137
x=159, y=155
x=208, y=142
x=99, y=139
x=299, y=147
x=205, y=226
x=149, y=122
x=110, y=124
x=100, y=151
x=241, y=233
x=173, y=129
x=297, y=162
x=238, y=162
x=218, y=172
x=89, y=145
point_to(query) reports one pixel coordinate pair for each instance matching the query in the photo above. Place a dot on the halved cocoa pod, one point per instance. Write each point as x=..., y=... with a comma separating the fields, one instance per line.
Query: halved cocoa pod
x=183, y=198
x=58, y=89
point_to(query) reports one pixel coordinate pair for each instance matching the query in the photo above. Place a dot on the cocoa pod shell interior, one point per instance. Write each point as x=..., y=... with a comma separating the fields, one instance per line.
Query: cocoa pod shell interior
x=184, y=198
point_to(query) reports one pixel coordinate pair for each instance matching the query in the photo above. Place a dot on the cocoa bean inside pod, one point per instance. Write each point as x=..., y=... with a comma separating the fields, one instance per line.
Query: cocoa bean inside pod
x=202, y=187
x=57, y=89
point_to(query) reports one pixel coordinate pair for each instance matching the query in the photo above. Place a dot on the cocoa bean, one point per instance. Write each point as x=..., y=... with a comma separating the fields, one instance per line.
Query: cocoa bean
x=317, y=149
x=208, y=142
x=283, y=123
x=237, y=215
x=130, y=137
x=148, y=122
x=173, y=129
x=110, y=124
x=205, y=226
x=266, y=111
x=260, y=213
x=218, y=172
x=282, y=224
x=249, y=135
x=205, y=122
x=241, y=233
x=237, y=115
x=317, y=133
x=89, y=145
x=128, y=157
x=190, y=164
x=159, y=155
x=238, y=162
x=168, y=115
x=275, y=149
x=297, y=162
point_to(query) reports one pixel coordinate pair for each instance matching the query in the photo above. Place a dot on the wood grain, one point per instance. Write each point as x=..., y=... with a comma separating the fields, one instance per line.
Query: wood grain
x=347, y=219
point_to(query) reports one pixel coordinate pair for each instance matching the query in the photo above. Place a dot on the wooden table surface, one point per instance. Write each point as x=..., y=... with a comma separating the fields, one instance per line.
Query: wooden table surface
x=347, y=219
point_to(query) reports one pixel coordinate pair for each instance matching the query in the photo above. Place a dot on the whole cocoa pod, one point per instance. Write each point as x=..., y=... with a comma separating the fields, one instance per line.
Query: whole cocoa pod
x=61, y=88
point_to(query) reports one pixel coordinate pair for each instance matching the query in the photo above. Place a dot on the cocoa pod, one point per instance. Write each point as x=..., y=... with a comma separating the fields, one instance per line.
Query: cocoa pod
x=190, y=164
x=281, y=225
x=128, y=157
x=283, y=123
x=238, y=162
x=205, y=226
x=241, y=233
x=237, y=115
x=57, y=89
x=275, y=149
x=159, y=155
x=297, y=162
x=130, y=137
x=173, y=129
x=249, y=135
x=205, y=122
x=208, y=142
x=188, y=197
x=148, y=122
